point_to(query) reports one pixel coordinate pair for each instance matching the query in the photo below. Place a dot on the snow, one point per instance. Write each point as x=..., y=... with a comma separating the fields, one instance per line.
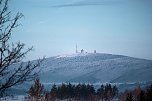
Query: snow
x=13, y=98
x=94, y=68
x=72, y=55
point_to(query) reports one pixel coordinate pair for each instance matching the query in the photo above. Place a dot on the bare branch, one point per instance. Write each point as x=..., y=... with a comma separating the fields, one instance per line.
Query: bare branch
x=12, y=70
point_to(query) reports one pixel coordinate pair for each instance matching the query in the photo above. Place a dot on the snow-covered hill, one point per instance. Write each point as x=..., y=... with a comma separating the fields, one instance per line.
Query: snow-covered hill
x=95, y=68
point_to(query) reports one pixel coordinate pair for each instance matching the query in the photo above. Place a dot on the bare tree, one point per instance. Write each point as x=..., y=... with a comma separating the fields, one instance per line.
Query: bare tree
x=12, y=70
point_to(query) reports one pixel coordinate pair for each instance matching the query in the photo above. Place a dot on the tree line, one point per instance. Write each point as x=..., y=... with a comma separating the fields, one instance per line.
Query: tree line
x=137, y=94
x=68, y=91
x=86, y=92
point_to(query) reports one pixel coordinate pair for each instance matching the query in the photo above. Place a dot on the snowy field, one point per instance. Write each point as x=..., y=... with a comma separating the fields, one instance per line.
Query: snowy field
x=14, y=98
x=22, y=98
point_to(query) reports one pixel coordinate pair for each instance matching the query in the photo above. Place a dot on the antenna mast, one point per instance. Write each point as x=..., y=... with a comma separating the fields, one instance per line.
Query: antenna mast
x=76, y=49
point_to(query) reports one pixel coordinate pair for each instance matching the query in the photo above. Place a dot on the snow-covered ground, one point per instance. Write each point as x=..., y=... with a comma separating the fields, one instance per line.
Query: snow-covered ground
x=94, y=68
x=21, y=98
x=13, y=98
x=72, y=55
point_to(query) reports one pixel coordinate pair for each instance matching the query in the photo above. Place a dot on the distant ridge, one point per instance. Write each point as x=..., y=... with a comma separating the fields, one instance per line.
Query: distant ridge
x=95, y=67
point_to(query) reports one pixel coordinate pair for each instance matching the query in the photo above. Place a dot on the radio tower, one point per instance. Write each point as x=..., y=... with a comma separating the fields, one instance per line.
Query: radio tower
x=76, y=49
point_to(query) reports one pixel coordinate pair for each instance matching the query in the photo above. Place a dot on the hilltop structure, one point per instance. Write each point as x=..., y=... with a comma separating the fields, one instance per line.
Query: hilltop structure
x=76, y=49
x=82, y=50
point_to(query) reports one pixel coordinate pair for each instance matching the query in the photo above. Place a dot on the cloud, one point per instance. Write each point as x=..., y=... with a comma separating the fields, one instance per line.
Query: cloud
x=77, y=4
x=87, y=3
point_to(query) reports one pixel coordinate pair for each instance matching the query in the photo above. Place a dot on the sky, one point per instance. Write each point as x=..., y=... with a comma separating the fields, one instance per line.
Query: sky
x=53, y=27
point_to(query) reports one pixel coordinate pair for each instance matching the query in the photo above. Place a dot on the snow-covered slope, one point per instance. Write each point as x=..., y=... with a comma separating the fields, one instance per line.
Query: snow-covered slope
x=94, y=68
x=126, y=72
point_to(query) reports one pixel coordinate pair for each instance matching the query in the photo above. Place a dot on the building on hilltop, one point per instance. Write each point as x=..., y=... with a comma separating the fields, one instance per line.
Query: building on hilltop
x=82, y=51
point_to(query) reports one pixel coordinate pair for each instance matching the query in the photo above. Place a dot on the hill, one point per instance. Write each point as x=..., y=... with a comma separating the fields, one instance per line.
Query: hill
x=95, y=68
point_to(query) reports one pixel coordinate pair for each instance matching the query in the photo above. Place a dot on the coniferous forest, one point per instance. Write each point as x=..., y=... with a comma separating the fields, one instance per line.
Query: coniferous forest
x=87, y=92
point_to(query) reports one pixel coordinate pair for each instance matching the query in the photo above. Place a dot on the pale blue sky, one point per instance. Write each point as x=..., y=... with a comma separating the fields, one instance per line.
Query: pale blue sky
x=53, y=27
